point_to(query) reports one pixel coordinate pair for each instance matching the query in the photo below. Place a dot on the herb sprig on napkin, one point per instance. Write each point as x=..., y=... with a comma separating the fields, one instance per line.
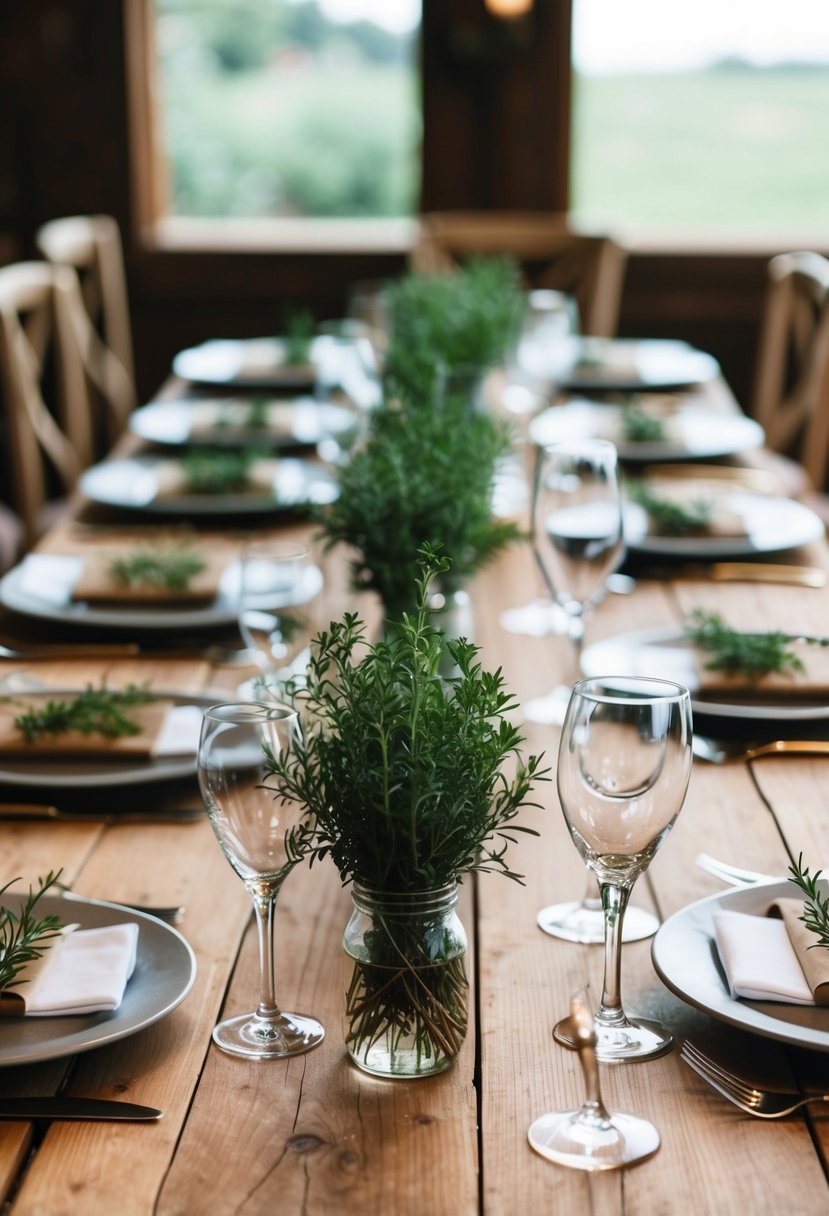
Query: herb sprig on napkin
x=668, y=517
x=750, y=654
x=220, y=471
x=94, y=711
x=173, y=567
x=815, y=909
x=641, y=427
x=23, y=936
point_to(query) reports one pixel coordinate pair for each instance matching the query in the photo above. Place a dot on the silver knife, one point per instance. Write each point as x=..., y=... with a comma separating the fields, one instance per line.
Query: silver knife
x=68, y=1108
x=37, y=810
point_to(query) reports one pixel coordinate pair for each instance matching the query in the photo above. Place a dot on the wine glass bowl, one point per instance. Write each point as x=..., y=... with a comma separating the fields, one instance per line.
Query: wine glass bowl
x=279, y=588
x=250, y=823
x=623, y=770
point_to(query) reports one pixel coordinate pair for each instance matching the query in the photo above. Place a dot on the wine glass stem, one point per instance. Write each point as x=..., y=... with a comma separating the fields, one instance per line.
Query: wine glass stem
x=575, y=635
x=264, y=907
x=614, y=902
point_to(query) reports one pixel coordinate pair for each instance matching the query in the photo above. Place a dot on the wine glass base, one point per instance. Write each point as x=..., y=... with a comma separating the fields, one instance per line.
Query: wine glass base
x=538, y=619
x=635, y=1040
x=288, y=1034
x=550, y=709
x=565, y=1137
x=578, y=922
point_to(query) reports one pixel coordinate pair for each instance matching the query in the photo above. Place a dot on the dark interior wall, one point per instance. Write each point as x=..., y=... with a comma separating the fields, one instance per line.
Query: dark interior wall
x=496, y=135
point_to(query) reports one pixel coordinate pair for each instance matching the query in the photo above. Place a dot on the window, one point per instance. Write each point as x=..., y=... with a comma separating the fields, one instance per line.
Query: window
x=703, y=119
x=284, y=108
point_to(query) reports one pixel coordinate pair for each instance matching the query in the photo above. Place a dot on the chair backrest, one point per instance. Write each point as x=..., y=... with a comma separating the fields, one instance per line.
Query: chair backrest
x=791, y=393
x=91, y=245
x=40, y=362
x=589, y=267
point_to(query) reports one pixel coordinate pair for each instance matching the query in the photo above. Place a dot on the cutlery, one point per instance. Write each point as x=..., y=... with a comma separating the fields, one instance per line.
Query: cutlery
x=70, y=650
x=36, y=810
x=67, y=1108
x=740, y=572
x=723, y=751
x=172, y=913
x=764, y=1103
x=761, y=480
x=732, y=875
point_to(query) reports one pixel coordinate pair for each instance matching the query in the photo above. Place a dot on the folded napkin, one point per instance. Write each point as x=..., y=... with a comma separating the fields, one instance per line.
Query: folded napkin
x=611, y=426
x=812, y=682
x=600, y=356
x=166, y=730
x=97, y=583
x=83, y=971
x=724, y=519
x=171, y=480
x=220, y=419
x=265, y=357
x=767, y=958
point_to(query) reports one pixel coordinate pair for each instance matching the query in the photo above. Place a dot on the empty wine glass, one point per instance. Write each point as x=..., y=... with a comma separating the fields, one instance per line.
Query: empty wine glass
x=591, y=1138
x=623, y=768
x=577, y=541
x=542, y=353
x=250, y=823
x=277, y=600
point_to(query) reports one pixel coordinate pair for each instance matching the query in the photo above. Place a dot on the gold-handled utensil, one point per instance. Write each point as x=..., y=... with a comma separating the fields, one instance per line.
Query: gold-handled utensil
x=723, y=751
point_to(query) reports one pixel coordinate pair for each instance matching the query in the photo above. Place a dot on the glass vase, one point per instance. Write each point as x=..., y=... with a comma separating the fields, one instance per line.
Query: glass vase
x=405, y=981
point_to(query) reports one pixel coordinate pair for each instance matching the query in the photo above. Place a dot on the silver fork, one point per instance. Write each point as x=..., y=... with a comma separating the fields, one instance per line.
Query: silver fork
x=764, y=1103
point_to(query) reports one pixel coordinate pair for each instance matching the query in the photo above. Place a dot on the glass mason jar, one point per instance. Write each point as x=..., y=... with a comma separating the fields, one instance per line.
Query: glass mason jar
x=405, y=981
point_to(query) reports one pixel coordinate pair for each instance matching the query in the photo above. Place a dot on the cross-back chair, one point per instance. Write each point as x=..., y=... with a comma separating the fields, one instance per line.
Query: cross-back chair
x=589, y=267
x=791, y=394
x=46, y=414
x=91, y=245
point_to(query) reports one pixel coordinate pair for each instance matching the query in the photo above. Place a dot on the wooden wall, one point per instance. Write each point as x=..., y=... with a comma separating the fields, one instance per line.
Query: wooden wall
x=496, y=136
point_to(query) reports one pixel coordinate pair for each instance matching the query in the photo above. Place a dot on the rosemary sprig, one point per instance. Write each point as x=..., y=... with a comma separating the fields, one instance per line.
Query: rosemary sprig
x=218, y=471
x=668, y=517
x=815, y=909
x=173, y=567
x=94, y=711
x=299, y=330
x=257, y=419
x=639, y=427
x=752, y=654
x=24, y=937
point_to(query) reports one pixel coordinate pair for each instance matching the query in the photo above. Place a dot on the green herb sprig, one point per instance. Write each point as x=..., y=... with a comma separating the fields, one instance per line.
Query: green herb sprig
x=299, y=331
x=399, y=770
x=23, y=936
x=641, y=427
x=94, y=711
x=752, y=654
x=815, y=908
x=667, y=517
x=219, y=470
x=173, y=567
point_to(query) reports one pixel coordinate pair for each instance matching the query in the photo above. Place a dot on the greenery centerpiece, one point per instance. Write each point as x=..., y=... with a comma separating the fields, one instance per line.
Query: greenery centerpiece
x=421, y=474
x=402, y=775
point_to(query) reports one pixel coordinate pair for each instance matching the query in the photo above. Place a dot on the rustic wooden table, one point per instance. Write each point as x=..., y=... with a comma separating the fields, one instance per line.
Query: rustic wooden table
x=316, y=1136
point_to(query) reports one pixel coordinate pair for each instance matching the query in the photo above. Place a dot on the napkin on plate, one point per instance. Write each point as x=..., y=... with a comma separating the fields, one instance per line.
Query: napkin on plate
x=723, y=519
x=166, y=730
x=766, y=958
x=171, y=480
x=96, y=582
x=813, y=681
x=83, y=971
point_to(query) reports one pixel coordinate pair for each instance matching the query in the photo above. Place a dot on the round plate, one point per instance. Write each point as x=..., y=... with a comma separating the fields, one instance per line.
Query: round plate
x=685, y=957
x=51, y=773
x=224, y=422
x=698, y=435
x=164, y=973
x=772, y=525
x=41, y=586
x=667, y=654
x=132, y=484
x=627, y=365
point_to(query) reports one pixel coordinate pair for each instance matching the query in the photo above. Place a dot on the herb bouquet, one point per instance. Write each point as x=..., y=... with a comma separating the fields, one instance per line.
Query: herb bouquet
x=403, y=775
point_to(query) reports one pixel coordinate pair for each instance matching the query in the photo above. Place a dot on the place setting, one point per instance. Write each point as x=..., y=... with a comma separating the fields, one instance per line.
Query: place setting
x=631, y=365
x=243, y=421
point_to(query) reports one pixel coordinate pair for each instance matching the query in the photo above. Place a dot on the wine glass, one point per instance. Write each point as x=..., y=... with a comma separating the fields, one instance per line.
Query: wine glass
x=543, y=352
x=278, y=592
x=623, y=768
x=250, y=824
x=591, y=1138
x=577, y=541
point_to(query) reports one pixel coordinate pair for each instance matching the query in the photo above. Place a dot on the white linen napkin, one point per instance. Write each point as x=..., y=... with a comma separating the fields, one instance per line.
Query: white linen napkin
x=83, y=971
x=179, y=734
x=759, y=959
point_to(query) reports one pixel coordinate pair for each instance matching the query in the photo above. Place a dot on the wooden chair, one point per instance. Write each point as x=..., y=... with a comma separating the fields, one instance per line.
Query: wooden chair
x=589, y=267
x=91, y=245
x=791, y=394
x=40, y=361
